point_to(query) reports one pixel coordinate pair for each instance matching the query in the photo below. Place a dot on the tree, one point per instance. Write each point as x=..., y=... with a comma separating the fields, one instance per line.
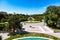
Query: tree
x=2, y=15
x=14, y=22
x=4, y=26
x=52, y=16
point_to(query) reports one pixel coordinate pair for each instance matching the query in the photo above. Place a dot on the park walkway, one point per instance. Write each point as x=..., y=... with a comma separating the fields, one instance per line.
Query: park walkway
x=54, y=34
x=4, y=35
x=40, y=28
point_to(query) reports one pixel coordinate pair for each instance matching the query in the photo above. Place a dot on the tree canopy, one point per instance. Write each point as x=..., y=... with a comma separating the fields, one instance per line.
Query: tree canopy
x=52, y=16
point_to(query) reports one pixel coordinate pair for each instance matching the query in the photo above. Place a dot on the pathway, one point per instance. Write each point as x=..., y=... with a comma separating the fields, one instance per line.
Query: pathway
x=4, y=35
x=40, y=28
x=54, y=34
x=37, y=27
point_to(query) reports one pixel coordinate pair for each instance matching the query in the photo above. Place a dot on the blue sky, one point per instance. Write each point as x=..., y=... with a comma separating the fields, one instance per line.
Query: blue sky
x=27, y=6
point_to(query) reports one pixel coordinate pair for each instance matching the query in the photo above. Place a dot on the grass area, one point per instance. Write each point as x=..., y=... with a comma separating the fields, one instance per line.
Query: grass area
x=33, y=35
x=31, y=21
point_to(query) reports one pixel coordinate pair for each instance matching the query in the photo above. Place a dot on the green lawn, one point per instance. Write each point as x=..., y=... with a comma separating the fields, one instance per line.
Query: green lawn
x=33, y=35
x=31, y=22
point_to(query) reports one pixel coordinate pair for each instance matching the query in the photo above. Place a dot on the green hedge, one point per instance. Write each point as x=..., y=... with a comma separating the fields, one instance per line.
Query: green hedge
x=33, y=34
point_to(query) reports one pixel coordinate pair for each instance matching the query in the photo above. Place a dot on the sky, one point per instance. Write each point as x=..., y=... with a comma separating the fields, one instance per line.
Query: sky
x=27, y=6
